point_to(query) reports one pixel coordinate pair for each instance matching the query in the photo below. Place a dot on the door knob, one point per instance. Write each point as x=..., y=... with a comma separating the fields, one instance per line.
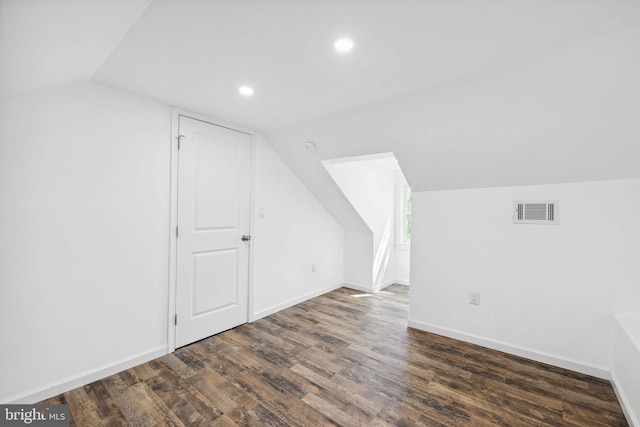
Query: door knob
x=246, y=238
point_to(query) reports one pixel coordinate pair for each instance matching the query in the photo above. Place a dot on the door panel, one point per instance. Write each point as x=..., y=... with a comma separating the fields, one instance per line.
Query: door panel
x=213, y=214
x=216, y=198
x=212, y=271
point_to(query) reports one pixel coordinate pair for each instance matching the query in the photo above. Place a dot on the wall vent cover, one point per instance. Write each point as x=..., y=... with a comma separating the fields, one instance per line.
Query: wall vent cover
x=536, y=212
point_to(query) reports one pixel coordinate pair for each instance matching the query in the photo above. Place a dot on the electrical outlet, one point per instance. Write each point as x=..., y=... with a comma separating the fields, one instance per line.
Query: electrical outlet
x=474, y=298
x=313, y=267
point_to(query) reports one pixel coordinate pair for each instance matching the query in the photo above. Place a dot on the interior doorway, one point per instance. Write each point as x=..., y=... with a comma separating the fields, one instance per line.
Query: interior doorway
x=378, y=191
x=212, y=231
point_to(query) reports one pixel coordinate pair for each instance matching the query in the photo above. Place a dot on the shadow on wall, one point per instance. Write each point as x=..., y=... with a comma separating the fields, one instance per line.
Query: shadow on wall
x=381, y=260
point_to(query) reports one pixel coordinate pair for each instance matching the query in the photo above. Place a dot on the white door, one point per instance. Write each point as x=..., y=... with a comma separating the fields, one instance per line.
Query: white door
x=214, y=165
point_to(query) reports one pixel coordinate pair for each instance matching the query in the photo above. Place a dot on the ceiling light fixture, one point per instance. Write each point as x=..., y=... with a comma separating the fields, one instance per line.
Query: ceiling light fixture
x=245, y=90
x=343, y=45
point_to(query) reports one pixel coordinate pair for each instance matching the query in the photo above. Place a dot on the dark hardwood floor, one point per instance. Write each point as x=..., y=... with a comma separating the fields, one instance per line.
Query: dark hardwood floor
x=348, y=359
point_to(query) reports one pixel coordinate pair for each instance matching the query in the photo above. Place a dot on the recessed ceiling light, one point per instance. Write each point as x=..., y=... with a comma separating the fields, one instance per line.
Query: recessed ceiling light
x=343, y=45
x=245, y=90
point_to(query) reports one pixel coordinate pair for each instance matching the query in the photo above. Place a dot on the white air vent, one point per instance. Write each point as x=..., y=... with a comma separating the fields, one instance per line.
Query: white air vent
x=536, y=212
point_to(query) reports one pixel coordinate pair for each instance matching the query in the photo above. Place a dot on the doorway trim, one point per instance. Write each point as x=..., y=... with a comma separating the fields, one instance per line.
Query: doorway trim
x=176, y=113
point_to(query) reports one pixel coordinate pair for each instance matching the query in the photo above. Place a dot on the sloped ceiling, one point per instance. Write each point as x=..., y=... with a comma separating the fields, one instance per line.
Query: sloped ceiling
x=467, y=93
x=565, y=116
x=49, y=43
x=195, y=54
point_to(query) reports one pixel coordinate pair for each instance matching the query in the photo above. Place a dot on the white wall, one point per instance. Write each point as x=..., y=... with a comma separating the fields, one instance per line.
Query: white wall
x=626, y=360
x=402, y=265
x=84, y=220
x=547, y=292
x=84, y=237
x=295, y=233
x=358, y=260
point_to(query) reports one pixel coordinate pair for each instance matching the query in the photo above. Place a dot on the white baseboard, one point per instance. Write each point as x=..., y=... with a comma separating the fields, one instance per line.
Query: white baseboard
x=624, y=401
x=394, y=282
x=561, y=362
x=363, y=288
x=358, y=287
x=266, y=312
x=86, y=377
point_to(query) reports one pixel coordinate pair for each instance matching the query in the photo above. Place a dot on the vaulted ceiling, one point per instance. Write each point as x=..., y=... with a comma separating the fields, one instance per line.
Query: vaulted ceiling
x=467, y=93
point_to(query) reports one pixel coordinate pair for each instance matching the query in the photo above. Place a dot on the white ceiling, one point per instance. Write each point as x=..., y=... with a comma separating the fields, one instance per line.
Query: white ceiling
x=195, y=54
x=465, y=93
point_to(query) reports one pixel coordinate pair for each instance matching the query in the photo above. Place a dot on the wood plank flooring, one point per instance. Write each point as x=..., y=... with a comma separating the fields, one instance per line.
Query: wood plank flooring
x=347, y=359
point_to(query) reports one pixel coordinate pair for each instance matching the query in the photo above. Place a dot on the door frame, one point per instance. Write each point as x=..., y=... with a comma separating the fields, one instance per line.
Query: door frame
x=176, y=113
